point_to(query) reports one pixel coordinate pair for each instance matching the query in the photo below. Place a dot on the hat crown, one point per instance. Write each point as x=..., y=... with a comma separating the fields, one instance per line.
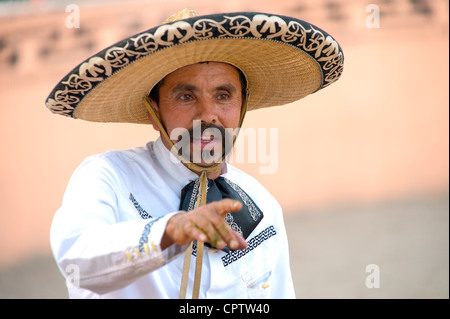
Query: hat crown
x=183, y=14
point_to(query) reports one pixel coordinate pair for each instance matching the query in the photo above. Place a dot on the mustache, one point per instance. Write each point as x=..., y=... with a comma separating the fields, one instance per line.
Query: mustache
x=198, y=131
x=183, y=139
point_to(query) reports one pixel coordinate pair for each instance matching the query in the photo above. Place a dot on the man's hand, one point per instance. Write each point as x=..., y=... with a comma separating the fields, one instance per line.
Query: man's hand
x=207, y=224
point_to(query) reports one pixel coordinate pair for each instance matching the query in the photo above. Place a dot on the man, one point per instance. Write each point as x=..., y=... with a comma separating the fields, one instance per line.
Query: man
x=132, y=221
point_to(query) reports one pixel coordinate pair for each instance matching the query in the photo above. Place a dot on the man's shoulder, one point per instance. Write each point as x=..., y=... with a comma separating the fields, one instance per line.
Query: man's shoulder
x=115, y=161
x=118, y=156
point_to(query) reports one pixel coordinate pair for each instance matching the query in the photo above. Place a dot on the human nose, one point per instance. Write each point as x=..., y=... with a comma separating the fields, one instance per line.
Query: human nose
x=206, y=111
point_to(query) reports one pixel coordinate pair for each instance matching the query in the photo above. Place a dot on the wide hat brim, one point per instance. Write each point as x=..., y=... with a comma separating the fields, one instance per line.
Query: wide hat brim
x=284, y=59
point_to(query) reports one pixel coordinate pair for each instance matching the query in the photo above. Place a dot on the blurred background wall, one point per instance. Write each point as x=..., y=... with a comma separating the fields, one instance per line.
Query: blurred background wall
x=363, y=166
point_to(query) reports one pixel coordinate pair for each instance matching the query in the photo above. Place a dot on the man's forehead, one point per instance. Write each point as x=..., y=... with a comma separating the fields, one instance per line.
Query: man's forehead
x=201, y=70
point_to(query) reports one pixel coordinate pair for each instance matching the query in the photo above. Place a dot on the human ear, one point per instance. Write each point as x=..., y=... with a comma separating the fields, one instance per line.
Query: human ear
x=155, y=108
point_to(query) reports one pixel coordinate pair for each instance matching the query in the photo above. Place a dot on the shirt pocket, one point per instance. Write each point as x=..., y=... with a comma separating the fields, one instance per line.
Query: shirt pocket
x=258, y=282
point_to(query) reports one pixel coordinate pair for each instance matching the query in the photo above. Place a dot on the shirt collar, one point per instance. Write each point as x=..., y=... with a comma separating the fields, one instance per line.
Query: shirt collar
x=172, y=165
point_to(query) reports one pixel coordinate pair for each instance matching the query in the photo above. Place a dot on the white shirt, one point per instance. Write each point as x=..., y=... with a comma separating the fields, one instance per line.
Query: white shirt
x=106, y=235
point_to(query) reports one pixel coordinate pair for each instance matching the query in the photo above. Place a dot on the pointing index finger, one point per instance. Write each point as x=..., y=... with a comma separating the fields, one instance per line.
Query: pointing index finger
x=227, y=205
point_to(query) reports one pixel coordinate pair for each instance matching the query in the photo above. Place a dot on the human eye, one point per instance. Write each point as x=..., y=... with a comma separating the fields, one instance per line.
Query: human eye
x=186, y=97
x=223, y=96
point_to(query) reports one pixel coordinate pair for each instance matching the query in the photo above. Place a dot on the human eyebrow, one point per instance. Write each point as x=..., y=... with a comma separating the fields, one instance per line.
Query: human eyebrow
x=226, y=87
x=184, y=87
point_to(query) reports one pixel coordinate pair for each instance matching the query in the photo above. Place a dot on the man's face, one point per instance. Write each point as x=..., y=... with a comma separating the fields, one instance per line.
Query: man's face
x=201, y=100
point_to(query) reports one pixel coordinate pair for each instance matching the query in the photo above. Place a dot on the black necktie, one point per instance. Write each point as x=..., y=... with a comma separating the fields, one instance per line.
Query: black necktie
x=243, y=221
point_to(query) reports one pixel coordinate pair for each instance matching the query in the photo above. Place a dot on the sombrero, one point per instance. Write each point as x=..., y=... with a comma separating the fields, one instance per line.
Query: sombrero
x=284, y=59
